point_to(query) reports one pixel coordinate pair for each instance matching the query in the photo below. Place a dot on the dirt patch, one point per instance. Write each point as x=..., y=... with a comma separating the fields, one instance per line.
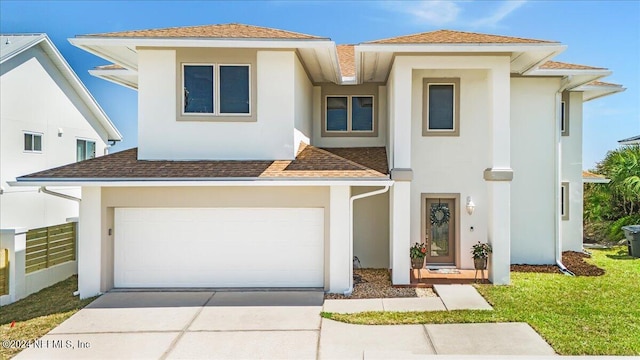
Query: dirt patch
x=376, y=283
x=574, y=261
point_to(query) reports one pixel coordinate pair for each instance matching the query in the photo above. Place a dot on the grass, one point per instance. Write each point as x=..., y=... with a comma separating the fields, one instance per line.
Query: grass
x=575, y=315
x=39, y=313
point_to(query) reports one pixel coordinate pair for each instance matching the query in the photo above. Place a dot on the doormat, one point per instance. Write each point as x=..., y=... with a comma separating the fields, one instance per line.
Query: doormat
x=444, y=271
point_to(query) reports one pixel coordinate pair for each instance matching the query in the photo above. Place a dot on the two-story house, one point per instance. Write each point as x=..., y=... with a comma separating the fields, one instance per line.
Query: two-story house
x=269, y=158
x=47, y=119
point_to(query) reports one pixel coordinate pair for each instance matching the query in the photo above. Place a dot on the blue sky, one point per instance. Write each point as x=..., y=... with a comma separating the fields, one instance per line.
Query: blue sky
x=598, y=33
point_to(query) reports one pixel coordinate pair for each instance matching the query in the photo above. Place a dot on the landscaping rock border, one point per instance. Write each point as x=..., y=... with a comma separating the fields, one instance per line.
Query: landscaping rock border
x=376, y=283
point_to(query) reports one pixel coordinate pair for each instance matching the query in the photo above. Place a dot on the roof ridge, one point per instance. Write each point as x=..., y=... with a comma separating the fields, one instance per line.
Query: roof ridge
x=526, y=40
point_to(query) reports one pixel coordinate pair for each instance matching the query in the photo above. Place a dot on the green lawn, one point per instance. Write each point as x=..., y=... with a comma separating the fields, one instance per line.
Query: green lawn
x=576, y=315
x=38, y=313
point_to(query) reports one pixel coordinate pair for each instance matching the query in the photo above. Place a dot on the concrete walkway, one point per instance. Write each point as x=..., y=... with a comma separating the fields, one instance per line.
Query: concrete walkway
x=451, y=297
x=259, y=324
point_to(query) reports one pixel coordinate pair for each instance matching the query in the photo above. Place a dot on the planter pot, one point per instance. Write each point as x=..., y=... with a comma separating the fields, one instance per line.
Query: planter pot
x=480, y=263
x=417, y=263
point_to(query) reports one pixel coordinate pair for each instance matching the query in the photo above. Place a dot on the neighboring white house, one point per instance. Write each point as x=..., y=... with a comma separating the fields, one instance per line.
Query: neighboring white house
x=630, y=141
x=47, y=119
x=269, y=158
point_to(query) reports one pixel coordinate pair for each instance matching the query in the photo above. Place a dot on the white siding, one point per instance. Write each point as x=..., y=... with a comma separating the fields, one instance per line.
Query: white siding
x=35, y=97
x=572, y=173
x=533, y=124
x=303, y=93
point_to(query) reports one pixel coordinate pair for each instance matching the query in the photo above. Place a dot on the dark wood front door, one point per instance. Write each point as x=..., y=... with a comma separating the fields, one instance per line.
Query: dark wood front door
x=440, y=230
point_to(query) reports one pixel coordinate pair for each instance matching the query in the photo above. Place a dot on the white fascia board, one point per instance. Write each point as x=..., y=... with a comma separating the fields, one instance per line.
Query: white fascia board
x=544, y=59
x=36, y=40
x=452, y=48
x=595, y=181
x=592, y=92
x=199, y=183
x=85, y=95
x=114, y=79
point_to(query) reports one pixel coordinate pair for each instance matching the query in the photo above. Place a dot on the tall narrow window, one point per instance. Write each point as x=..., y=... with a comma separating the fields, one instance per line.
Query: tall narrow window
x=85, y=150
x=198, y=89
x=362, y=113
x=564, y=201
x=564, y=114
x=441, y=104
x=32, y=142
x=234, y=89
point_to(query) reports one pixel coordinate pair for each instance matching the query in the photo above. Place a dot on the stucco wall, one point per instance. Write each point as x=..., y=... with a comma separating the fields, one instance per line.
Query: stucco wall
x=269, y=136
x=35, y=97
x=572, y=173
x=533, y=124
x=371, y=228
x=303, y=94
x=193, y=197
x=453, y=164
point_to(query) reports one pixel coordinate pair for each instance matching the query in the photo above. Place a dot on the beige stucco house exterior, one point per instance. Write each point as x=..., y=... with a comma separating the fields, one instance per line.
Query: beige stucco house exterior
x=269, y=158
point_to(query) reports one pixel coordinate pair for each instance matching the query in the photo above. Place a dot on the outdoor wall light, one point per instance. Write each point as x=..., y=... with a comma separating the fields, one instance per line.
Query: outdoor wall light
x=470, y=205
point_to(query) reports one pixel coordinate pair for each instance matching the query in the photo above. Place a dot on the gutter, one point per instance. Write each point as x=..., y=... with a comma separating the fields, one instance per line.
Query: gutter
x=566, y=81
x=351, y=200
x=44, y=189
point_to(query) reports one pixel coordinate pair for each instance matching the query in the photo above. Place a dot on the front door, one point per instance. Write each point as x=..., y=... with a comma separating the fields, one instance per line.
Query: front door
x=440, y=230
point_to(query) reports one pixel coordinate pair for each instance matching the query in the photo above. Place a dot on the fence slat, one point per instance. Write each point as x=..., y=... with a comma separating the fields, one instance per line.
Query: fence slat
x=50, y=246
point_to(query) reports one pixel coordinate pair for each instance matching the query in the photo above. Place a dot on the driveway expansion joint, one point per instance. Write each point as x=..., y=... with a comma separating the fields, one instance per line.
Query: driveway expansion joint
x=429, y=341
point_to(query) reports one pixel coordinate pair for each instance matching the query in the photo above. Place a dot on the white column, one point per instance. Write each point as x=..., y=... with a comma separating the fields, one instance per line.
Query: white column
x=400, y=228
x=89, y=242
x=401, y=115
x=340, y=261
x=500, y=175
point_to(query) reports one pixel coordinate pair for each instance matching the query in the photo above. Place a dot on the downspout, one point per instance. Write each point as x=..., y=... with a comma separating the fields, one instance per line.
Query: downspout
x=352, y=199
x=44, y=189
x=558, y=175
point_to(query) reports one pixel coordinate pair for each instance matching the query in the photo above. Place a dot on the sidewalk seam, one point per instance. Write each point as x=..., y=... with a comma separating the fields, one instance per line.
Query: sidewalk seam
x=428, y=334
x=184, y=329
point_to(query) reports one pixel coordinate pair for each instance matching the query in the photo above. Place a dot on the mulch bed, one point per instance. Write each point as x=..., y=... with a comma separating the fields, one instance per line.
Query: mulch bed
x=574, y=261
x=376, y=283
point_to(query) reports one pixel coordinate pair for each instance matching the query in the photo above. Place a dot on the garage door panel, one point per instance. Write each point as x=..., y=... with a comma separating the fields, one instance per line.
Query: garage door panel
x=219, y=247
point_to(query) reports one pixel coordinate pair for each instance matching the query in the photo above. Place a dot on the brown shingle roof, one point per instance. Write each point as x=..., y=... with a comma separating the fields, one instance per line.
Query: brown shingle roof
x=602, y=83
x=346, y=57
x=567, y=66
x=456, y=37
x=109, y=67
x=311, y=162
x=590, y=175
x=224, y=31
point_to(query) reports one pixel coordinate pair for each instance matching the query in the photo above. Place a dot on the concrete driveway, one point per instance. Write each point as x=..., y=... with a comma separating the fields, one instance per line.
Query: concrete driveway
x=258, y=325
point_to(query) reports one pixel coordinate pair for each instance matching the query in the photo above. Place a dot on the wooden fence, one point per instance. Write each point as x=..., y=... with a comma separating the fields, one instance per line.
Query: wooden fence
x=4, y=271
x=50, y=246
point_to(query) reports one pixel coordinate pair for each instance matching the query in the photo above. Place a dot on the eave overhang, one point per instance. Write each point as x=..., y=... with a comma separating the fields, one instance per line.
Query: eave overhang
x=181, y=182
x=595, y=91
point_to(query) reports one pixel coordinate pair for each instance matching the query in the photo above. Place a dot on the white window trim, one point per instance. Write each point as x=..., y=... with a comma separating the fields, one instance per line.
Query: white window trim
x=216, y=91
x=349, y=115
x=564, y=200
x=33, y=133
x=453, y=109
x=95, y=146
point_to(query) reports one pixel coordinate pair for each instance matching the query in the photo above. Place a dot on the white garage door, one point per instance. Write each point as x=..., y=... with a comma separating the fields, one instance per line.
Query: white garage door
x=219, y=247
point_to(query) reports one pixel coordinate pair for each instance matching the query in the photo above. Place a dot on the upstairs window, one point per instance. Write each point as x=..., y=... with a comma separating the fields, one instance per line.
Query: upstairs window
x=85, y=150
x=211, y=89
x=564, y=114
x=441, y=104
x=32, y=142
x=349, y=114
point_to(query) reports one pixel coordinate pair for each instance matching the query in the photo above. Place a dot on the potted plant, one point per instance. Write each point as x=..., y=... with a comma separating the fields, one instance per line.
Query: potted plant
x=480, y=252
x=417, y=254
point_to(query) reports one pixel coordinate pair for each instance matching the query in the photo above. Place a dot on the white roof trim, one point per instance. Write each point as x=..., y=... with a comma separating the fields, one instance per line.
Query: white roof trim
x=590, y=180
x=74, y=80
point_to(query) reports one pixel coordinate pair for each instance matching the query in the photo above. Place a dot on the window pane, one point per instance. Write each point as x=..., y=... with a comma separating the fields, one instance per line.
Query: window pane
x=80, y=150
x=441, y=107
x=28, y=143
x=562, y=116
x=336, y=113
x=362, y=113
x=91, y=150
x=37, y=142
x=234, y=89
x=198, y=89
